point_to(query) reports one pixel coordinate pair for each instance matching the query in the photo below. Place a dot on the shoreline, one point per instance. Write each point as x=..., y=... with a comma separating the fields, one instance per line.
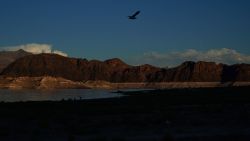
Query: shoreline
x=48, y=82
x=155, y=115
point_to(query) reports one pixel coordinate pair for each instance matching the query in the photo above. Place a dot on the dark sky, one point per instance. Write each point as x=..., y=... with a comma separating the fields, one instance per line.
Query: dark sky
x=100, y=29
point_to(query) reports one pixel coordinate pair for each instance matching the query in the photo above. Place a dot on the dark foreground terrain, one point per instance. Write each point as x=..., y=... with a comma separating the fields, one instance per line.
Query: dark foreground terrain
x=208, y=114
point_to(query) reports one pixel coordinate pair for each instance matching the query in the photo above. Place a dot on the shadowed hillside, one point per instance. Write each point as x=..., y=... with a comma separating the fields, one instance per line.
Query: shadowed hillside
x=7, y=57
x=115, y=70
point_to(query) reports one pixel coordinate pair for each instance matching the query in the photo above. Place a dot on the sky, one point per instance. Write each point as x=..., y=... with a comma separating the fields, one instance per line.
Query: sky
x=166, y=33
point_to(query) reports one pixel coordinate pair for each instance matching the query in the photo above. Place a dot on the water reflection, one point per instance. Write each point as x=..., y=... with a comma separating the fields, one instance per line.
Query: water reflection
x=54, y=95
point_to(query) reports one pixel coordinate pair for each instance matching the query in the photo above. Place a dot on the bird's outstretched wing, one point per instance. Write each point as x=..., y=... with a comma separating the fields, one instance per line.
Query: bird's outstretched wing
x=136, y=13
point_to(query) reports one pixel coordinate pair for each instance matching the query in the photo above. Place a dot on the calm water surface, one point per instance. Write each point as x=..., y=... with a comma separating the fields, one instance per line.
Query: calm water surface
x=55, y=95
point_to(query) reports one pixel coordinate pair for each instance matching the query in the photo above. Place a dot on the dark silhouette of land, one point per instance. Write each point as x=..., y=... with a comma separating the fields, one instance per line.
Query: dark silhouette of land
x=154, y=115
x=133, y=17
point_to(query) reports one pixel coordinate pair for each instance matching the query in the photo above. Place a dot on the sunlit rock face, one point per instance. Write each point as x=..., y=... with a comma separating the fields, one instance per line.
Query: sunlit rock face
x=45, y=82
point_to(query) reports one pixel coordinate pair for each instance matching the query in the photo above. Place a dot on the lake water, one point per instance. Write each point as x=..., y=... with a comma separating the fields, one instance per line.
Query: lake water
x=54, y=95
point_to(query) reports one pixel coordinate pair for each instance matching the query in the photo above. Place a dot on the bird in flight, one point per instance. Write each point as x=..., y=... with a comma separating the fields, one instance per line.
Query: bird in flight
x=133, y=17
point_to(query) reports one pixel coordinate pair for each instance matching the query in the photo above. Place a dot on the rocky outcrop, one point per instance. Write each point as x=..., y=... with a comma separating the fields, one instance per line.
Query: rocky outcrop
x=39, y=83
x=116, y=71
x=113, y=70
x=59, y=66
x=197, y=72
x=237, y=72
x=7, y=57
x=116, y=63
x=190, y=72
x=134, y=74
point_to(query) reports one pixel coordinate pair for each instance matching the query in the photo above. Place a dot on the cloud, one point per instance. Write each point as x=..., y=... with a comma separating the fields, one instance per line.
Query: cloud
x=35, y=49
x=60, y=53
x=223, y=55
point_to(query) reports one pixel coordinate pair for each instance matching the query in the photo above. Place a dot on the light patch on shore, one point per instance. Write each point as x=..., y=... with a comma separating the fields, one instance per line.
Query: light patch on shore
x=35, y=48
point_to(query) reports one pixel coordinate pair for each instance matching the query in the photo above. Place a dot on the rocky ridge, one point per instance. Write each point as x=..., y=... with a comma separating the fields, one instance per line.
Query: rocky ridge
x=7, y=57
x=94, y=73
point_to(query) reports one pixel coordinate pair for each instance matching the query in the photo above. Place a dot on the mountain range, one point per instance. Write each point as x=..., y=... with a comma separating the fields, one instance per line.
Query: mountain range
x=116, y=71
